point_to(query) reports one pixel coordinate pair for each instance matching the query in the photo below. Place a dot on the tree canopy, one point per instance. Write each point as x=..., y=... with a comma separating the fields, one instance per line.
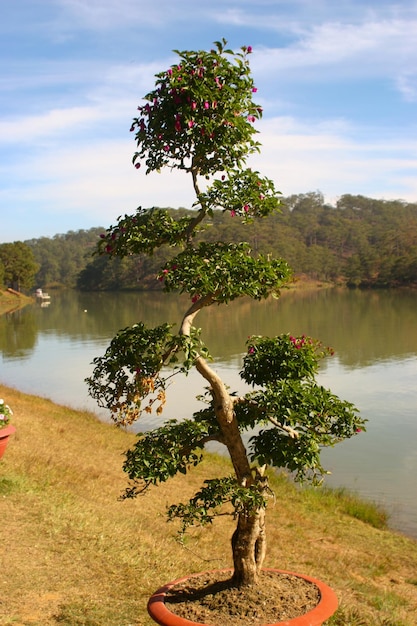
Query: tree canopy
x=19, y=267
x=360, y=241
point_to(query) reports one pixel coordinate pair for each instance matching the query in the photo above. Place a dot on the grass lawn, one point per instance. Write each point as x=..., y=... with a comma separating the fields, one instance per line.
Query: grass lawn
x=73, y=554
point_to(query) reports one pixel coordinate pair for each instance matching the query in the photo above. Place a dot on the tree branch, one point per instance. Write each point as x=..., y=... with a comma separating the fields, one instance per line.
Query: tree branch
x=291, y=432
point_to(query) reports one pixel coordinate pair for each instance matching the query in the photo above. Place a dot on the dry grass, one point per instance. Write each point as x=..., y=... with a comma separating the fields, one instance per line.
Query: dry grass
x=73, y=554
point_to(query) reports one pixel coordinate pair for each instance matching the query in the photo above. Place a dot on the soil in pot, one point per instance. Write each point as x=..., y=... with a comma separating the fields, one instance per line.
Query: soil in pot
x=211, y=599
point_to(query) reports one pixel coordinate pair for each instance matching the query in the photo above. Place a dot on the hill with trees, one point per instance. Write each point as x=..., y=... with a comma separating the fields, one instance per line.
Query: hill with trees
x=360, y=241
x=62, y=257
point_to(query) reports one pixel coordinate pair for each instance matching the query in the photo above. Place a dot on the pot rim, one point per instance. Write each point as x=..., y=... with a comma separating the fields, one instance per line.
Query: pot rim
x=325, y=608
x=7, y=430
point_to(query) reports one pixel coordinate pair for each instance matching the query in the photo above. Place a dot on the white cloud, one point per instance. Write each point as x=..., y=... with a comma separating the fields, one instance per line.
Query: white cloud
x=407, y=85
x=368, y=49
x=99, y=180
x=47, y=124
x=301, y=159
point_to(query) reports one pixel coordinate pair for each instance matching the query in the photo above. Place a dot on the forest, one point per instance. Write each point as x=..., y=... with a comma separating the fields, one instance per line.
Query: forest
x=360, y=242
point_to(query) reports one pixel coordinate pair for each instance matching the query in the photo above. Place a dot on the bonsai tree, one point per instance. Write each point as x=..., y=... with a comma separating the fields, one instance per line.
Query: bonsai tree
x=199, y=118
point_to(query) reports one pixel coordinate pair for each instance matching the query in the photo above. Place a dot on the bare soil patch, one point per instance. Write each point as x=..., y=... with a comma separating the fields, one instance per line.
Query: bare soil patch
x=212, y=599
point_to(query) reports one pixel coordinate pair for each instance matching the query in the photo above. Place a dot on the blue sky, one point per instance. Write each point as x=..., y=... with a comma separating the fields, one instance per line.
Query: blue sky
x=337, y=81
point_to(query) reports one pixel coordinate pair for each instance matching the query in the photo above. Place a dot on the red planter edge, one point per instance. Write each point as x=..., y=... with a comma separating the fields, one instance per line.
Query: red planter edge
x=4, y=437
x=325, y=608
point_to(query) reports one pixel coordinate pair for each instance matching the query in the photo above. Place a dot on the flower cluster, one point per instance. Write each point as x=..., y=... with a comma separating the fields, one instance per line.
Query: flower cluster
x=304, y=341
x=5, y=414
x=200, y=115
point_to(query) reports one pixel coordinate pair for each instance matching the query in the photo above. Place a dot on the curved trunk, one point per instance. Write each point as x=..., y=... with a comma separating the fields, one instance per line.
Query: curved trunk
x=249, y=539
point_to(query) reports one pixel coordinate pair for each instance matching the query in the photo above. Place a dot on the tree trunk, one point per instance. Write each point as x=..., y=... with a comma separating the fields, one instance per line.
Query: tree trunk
x=248, y=540
x=249, y=547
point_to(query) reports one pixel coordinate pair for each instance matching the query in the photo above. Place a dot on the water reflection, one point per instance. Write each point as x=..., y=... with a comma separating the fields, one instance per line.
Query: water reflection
x=363, y=326
x=18, y=334
x=48, y=351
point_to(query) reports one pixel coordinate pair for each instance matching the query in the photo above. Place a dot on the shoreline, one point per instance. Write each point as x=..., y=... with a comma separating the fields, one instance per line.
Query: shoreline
x=11, y=300
x=79, y=553
x=91, y=414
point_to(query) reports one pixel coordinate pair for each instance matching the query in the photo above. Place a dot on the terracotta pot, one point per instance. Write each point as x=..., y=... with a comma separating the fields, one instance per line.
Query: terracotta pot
x=4, y=437
x=327, y=605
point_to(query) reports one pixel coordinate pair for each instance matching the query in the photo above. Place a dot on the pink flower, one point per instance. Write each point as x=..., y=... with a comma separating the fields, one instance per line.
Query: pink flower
x=254, y=89
x=246, y=208
x=166, y=148
x=206, y=105
x=251, y=350
x=191, y=123
x=194, y=106
x=249, y=49
x=233, y=213
x=194, y=298
x=137, y=165
x=251, y=118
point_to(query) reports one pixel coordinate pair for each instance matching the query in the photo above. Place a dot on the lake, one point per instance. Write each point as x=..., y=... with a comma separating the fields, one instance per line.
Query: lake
x=48, y=350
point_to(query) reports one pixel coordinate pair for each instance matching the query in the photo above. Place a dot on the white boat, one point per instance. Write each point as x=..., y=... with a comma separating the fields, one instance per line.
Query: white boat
x=41, y=295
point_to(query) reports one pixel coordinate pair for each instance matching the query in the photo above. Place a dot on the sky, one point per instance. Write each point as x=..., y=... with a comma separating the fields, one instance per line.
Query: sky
x=337, y=81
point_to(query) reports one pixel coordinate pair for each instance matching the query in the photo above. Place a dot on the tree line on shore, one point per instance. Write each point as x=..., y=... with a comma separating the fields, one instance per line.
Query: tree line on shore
x=360, y=241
